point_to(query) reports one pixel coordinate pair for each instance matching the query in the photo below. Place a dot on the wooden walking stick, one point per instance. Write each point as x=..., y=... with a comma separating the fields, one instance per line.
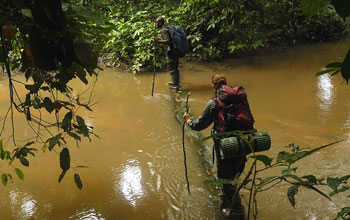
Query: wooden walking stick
x=183, y=146
x=154, y=68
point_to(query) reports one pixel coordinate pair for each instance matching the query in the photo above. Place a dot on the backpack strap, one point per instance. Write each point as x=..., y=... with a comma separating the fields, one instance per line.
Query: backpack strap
x=220, y=107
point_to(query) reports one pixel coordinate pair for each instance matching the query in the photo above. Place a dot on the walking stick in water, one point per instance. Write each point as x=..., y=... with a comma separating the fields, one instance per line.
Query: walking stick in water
x=183, y=145
x=154, y=68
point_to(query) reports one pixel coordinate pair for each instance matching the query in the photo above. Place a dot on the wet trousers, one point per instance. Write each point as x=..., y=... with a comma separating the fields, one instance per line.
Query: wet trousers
x=173, y=65
x=228, y=169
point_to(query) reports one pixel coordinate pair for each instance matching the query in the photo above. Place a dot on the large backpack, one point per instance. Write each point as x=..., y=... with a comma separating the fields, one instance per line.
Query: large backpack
x=233, y=109
x=178, y=38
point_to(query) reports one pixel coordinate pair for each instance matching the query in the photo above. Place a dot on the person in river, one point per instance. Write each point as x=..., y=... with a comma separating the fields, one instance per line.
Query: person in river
x=173, y=60
x=243, y=120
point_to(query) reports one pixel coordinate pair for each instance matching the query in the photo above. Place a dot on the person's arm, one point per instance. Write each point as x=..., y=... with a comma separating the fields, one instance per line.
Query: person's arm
x=205, y=118
x=162, y=41
x=165, y=36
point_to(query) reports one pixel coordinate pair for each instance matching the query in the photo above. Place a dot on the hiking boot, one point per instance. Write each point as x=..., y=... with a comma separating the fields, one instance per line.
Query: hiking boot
x=173, y=87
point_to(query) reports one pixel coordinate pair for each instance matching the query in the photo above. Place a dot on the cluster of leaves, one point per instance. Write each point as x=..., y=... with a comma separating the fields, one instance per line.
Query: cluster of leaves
x=286, y=162
x=215, y=28
x=50, y=41
x=342, y=7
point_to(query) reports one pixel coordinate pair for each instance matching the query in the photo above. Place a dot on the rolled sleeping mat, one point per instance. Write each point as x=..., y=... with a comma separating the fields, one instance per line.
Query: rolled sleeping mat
x=232, y=147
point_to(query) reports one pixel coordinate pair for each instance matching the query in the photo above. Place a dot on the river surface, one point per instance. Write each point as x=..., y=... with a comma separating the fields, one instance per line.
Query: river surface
x=136, y=168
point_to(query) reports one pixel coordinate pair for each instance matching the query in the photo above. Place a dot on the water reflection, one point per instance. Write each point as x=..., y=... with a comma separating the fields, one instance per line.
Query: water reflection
x=326, y=95
x=27, y=204
x=90, y=214
x=130, y=182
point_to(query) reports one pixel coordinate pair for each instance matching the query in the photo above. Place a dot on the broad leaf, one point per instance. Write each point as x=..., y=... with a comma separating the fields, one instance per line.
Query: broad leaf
x=54, y=141
x=333, y=183
x=292, y=191
x=77, y=181
x=311, y=7
x=65, y=159
x=345, y=68
x=265, y=159
x=345, y=210
x=4, y=179
x=288, y=171
x=61, y=176
x=19, y=173
x=24, y=161
x=88, y=14
x=311, y=179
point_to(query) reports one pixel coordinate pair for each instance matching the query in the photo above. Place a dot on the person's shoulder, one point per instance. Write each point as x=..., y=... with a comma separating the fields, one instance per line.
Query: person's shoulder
x=211, y=102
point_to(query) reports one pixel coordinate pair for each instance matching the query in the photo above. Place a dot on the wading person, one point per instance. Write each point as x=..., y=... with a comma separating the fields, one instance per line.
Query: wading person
x=240, y=118
x=173, y=59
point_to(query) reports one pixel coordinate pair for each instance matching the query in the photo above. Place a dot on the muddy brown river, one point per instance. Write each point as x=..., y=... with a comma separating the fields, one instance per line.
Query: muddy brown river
x=136, y=168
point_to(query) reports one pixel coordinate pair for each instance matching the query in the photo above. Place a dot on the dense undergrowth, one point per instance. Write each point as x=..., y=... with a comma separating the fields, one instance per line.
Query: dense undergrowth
x=216, y=29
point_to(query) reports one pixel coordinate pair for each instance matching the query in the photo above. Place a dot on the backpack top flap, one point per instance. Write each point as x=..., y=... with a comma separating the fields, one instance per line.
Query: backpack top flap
x=231, y=95
x=178, y=39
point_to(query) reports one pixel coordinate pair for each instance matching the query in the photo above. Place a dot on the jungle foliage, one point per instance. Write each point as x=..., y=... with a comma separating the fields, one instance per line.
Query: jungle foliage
x=216, y=28
x=49, y=41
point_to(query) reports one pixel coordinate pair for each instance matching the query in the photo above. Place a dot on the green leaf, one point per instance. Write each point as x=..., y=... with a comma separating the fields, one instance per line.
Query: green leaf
x=4, y=179
x=342, y=7
x=288, y=171
x=334, y=65
x=47, y=103
x=345, y=68
x=19, y=173
x=344, y=211
x=61, y=176
x=333, y=183
x=74, y=135
x=268, y=180
x=65, y=159
x=24, y=161
x=265, y=159
x=326, y=71
x=311, y=178
x=81, y=74
x=343, y=189
x=54, y=141
x=85, y=54
x=292, y=191
x=77, y=181
x=335, y=73
x=88, y=14
x=311, y=7
x=67, y=121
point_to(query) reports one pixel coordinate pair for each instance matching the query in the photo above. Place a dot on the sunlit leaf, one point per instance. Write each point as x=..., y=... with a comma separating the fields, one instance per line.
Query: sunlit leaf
x=88, y=14
x=343, y=189
x=265, y=159
x=288, y=171
x=333, y=183
x=19, y=173
x=311, y=7
x=4, y=179
x=344, y=211
x=326, y=71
